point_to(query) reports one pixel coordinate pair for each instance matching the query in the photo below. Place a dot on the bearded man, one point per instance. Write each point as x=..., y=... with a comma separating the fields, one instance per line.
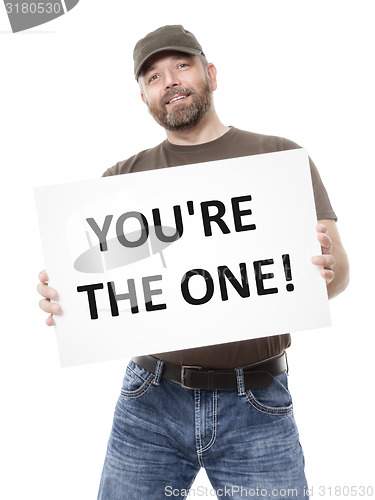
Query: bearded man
x=225, y=407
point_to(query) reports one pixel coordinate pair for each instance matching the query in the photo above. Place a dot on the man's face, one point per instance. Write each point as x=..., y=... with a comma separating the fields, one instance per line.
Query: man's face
x=177, y=89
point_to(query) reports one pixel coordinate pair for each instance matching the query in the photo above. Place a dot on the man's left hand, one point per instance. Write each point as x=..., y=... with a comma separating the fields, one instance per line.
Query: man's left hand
x=327, y=260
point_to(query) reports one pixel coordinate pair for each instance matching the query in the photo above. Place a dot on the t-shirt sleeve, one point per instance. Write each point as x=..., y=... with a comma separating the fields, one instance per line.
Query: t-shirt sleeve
x=122, y=167
x=115, y=170
x=108, y=172
x=323, y=205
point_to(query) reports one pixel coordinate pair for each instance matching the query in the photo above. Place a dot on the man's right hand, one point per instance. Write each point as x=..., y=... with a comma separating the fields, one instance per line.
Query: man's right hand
x=48, y=293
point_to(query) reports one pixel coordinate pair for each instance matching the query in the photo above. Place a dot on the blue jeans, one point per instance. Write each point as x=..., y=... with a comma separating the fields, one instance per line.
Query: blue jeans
x=163, y=433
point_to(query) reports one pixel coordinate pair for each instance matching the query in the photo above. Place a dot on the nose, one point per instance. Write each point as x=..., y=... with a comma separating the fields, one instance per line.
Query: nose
x=172, y=79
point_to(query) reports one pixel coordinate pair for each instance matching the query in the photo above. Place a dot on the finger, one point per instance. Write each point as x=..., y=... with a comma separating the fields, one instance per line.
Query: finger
x=325, y=242
x=49, y=307
x=321, y=228
x=327, y=275
x=46, y=291
x=50, y=321
x=327, y=261
x=43, y=276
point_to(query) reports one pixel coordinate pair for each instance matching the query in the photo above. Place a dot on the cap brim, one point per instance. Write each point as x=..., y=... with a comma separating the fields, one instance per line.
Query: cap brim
x=185, y=50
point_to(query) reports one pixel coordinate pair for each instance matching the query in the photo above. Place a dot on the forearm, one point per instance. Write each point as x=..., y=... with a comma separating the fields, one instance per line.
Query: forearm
x=334, y=261
x=341, y=272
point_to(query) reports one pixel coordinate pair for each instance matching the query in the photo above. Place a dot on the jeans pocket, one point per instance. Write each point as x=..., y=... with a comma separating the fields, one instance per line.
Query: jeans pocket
x=275, y=399
x=136, y=381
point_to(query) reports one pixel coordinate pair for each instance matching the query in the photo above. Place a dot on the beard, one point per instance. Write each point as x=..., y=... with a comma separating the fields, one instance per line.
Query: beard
x=185, y=115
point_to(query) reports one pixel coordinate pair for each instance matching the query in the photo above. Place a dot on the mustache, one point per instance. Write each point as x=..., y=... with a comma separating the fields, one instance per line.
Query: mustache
x=175, y=92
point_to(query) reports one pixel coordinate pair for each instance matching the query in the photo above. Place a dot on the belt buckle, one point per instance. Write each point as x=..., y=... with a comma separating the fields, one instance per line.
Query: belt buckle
x=183, y=368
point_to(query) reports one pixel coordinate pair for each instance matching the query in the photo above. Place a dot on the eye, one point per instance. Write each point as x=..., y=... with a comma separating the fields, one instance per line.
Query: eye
x=152, y=78
x=183, y=65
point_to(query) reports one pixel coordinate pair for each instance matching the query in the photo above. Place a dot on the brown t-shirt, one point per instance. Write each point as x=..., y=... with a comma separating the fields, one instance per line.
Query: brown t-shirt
x=232, y=144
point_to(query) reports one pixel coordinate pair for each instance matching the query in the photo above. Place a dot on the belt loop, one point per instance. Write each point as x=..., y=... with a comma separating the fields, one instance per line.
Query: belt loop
x=158, y=372
x=240, y=382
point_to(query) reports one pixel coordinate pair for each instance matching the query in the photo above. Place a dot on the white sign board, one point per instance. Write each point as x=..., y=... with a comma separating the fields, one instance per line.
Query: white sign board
x=183, y=257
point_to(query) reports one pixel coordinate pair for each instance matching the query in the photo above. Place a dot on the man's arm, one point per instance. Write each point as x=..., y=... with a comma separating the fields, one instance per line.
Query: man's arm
x=333, y=259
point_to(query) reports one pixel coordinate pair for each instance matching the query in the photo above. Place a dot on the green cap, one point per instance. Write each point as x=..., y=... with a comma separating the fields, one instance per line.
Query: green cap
x=173, y=37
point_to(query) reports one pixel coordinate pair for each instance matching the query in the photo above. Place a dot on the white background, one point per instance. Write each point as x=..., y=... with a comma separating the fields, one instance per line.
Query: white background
x=70, y=109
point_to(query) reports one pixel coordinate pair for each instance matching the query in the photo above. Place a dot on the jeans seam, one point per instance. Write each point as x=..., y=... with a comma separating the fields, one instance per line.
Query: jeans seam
x=144, y=387
x=267, y=409
x=214, y=423
x=137, y=374
x=198, y=436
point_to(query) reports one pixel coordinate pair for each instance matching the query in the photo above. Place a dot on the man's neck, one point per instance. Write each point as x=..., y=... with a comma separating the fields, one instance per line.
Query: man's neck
x=207, y=130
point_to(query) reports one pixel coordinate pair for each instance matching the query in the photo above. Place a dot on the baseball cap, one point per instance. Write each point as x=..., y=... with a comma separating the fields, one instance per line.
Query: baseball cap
x=172, y=37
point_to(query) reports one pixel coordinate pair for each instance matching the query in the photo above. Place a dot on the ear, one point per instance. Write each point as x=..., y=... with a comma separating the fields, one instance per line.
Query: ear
x=212, y=72
x=140, y=83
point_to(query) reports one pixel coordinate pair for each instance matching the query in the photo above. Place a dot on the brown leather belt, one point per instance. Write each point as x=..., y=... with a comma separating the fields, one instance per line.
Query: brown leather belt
x=257, y=376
